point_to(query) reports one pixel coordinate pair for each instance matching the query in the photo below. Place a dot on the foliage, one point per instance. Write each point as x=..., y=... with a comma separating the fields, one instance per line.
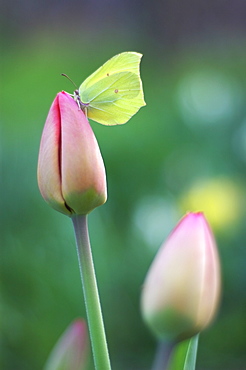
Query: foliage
x=192, y=129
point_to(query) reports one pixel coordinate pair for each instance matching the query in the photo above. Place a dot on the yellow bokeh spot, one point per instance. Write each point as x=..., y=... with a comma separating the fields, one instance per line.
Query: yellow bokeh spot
x=220, y=199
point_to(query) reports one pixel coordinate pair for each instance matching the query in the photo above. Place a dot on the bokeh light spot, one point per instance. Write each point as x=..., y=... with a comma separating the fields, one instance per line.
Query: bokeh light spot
x=219, y=198
x=208, y=97
x=155, y=217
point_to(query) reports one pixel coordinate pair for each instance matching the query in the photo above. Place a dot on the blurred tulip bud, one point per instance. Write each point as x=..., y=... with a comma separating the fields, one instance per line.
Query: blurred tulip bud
x=72, y=349
x=71, y=173
x=182, y=288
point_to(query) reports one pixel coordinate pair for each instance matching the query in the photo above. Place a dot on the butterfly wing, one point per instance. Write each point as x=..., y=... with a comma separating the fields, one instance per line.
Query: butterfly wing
x=114, y=92
x=124, y=62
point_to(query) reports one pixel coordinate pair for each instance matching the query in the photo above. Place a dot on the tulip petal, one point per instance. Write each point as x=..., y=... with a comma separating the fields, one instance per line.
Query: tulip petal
x=72, y=349
x=182, y=288
x=49, y=171
x=83, y=174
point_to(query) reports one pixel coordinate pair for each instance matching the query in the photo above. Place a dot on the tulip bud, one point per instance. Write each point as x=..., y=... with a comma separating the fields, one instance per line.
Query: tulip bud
x=71, y=173
x=71, y=350
x=182, y=288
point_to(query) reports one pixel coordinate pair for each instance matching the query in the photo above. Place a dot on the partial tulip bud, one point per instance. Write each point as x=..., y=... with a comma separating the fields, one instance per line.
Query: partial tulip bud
x=71, y=173
x=182, y=288
x=72, y=349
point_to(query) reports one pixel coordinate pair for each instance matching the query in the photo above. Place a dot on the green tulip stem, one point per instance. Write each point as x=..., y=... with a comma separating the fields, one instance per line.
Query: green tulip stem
x=162, y=356
x=91, y=296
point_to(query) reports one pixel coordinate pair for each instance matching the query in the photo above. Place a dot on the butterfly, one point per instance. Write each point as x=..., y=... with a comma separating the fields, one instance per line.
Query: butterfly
x=114, y=92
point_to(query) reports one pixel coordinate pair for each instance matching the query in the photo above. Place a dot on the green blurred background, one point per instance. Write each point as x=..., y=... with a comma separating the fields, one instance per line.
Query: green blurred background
x=184, y=151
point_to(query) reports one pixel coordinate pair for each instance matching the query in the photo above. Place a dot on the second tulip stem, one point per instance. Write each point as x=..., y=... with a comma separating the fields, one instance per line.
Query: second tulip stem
x=91, y=296
x=162, y=357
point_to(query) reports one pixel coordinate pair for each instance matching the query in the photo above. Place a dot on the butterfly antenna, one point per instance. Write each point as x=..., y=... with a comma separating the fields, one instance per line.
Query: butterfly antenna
x=63, y=74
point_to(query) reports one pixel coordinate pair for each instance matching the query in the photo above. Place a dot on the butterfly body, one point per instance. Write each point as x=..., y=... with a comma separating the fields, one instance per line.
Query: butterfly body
x=113, y=93
x=81, y=105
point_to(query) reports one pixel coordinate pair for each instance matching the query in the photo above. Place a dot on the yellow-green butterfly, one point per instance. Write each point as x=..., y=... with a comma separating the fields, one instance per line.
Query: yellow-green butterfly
x=114, y=92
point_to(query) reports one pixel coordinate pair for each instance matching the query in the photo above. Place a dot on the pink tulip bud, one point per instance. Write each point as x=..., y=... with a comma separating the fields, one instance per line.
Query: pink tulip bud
x=182, y=288
x=72, y=349
x=71, y=173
